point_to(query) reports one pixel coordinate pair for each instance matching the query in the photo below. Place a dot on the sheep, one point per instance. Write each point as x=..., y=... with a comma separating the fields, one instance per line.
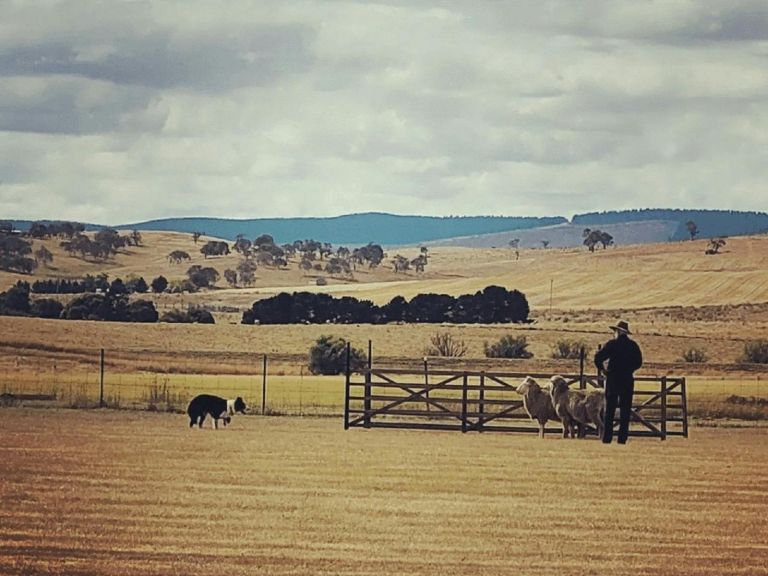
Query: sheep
x=577, y=408
x=537, y=403
x=564, y=401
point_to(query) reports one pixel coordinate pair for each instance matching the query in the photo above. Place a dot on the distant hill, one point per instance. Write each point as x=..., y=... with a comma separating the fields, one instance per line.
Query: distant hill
x=396, y=230
x=568, y=235
x=352, y=229
x=710, y=223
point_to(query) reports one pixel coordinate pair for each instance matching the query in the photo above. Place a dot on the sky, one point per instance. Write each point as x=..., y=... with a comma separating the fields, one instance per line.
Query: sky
x=118, y=112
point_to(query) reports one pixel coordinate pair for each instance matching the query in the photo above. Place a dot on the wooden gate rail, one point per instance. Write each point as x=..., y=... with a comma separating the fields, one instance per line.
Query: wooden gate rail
x=487, y=401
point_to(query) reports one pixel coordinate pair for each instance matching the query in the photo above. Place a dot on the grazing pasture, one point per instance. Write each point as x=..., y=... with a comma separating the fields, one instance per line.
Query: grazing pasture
x=114, y=492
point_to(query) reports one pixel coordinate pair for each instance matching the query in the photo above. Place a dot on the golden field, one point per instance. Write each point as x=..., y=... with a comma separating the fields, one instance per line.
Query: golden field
x=123, y=493
x=674, y=296
x=113, y=492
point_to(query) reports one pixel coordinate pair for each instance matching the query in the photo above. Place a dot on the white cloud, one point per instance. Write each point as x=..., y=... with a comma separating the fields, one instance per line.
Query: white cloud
x=121, y=112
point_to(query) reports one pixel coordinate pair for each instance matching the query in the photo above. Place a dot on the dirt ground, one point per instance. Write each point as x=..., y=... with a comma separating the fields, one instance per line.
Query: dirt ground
x=116, y=492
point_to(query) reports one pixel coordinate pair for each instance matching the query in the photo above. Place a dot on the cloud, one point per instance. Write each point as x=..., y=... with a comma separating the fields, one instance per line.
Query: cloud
x=115, y=112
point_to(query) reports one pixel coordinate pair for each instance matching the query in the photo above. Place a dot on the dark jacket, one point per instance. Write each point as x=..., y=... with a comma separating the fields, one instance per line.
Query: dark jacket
x=624, y=357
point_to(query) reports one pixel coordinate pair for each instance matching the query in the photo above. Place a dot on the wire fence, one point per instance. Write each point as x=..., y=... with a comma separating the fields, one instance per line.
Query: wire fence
x=162, y=381
x=270, y=383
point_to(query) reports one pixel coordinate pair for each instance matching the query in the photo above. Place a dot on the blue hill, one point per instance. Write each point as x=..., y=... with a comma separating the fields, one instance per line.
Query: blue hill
x=352, y=229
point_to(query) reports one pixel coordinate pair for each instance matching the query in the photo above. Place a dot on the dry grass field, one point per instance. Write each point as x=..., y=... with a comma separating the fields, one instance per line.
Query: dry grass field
x=122, y=493
x=674, y=296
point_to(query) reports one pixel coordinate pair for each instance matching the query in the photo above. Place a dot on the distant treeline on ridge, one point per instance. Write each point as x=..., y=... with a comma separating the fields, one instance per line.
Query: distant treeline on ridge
x=494, y=304
x=710, y=223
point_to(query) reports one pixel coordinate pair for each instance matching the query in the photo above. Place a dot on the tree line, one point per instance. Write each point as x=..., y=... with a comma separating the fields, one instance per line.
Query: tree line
x=494, y=304
x=112, y=305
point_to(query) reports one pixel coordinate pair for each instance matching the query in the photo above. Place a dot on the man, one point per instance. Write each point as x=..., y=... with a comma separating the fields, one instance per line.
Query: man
x=624, y=357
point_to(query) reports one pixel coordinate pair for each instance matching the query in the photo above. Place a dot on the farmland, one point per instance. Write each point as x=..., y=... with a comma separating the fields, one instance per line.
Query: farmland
x=113, y=492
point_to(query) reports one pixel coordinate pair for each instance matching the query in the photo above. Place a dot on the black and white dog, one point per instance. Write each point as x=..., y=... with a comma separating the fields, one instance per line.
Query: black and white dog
x=215, y=407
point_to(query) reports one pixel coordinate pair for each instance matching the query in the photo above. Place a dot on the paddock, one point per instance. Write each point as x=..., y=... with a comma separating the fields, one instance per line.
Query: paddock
x=104, y=492
x=486, y=401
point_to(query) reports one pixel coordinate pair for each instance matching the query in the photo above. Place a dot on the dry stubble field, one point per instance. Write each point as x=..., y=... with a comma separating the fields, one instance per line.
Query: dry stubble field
x=105, y=492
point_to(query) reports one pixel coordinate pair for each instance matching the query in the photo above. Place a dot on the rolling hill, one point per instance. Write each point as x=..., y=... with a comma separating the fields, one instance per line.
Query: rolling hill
x=623, y=277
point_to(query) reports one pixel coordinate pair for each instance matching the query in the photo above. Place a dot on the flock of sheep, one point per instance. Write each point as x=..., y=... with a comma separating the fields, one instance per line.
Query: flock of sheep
x=576, y=409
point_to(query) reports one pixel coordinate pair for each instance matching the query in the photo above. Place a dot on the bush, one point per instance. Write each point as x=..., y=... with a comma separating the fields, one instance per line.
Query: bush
x=508, y=347
x=569, y=349
x=46, y=308
x=329, y=356
x=694, y=356
x=756, y=352
x=444, y=344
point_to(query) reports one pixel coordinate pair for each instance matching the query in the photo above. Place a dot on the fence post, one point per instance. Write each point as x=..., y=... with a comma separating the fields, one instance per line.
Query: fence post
x=101, y=380
x=347, y=378
x=426, y=383
x=264, y=387
x=464, y=404
x=582, y=382
x=367, y=393
x=481, y=403
x=685, y=407
x=663, y=407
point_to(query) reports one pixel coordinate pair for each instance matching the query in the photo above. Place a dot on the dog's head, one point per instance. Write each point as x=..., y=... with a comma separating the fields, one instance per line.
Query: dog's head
x=240, y=405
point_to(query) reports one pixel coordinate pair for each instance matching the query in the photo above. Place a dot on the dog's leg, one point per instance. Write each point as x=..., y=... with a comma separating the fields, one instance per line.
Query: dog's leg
x=202, y=419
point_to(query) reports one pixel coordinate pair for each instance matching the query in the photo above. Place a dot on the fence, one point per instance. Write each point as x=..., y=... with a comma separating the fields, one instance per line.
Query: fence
x=486, y=401
x=166, y=380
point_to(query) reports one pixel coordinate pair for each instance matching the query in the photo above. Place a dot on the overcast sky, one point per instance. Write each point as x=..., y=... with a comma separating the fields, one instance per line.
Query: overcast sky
x=114, y=112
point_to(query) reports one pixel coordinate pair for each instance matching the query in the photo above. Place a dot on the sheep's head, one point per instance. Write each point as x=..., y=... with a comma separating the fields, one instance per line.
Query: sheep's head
x=527, y=384
x=558, y=384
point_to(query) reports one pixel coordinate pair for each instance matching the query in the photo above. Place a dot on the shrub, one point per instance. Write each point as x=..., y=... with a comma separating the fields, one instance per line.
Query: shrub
x=508, y=347
x=329, y=356
x=694, y=356
x=46, y=308
x=444, y=344
x=569, y=349
x=756, y=351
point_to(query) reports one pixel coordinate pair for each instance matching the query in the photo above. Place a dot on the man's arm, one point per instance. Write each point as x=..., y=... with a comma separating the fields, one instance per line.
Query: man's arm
x=601, y=356
x=638, y=357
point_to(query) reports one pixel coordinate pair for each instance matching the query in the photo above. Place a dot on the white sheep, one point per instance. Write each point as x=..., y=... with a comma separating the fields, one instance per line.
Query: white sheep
x=537, y=403
x=577, y=408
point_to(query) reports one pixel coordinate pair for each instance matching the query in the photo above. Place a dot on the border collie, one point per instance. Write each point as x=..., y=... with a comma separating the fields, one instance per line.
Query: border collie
x=217, y=408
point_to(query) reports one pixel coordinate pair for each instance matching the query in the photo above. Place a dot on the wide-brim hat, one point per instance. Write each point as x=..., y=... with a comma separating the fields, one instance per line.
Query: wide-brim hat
x=621, y=326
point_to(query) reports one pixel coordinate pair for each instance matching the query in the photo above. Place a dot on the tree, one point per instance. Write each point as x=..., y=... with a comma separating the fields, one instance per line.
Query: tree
x=714, y=245
x=247, y=271
x=605, y=239
x=419, y=262
x=242, y=245
x=136, y=237
x=108, y=242
x=138, y=285
x=43, y=256
x=329, y=356
x=14, y=254
x=231, y=277
x=215, y=248
x=202, y=277
x=177, y=256
x=159, y=284
x=400, y=263
x=545, y=244
x=196, y=236
x=337, y=265
x=693, y=230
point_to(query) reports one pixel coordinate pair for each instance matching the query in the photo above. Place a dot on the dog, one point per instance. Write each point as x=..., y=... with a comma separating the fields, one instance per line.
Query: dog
x=217, y=408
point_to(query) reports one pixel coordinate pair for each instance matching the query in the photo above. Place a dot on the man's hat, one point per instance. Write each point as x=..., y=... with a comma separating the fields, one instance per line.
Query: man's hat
x=621, y=326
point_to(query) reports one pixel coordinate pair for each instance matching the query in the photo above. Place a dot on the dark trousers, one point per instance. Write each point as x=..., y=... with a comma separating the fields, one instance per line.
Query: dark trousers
x=618, y=394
